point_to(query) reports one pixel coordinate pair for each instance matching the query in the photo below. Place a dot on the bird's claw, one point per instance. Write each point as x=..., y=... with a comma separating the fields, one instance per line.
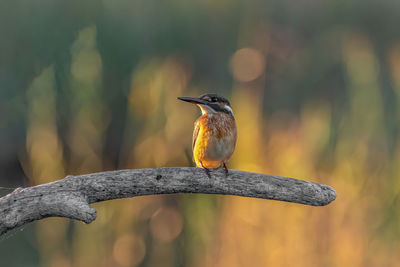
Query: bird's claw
x=225, y=170
x=207, y=172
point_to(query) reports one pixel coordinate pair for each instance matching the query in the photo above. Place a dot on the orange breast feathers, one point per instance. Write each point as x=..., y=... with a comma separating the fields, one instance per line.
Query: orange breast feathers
x=214, y=139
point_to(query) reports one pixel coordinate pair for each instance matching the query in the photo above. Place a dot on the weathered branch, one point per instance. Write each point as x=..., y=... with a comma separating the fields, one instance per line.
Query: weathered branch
x=71, y=196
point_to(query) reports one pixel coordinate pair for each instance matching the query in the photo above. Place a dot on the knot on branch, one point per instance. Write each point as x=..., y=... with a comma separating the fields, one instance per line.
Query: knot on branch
x=73, y=206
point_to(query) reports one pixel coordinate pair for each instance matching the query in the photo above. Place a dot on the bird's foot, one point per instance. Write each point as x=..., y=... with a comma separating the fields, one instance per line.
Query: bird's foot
x=207, y=171
x=225, y=170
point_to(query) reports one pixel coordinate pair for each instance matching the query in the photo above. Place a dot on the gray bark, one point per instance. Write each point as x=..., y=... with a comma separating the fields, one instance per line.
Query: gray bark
x=70, y=197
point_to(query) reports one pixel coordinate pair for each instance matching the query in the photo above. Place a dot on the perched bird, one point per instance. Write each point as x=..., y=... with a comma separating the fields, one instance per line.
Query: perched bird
x=214, y=135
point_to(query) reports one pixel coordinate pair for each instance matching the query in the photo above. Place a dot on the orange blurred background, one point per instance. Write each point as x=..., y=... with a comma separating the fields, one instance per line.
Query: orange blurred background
x=87, y=86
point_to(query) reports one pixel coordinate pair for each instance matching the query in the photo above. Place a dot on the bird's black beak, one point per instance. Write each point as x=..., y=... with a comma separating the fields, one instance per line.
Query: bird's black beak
x=194, y=100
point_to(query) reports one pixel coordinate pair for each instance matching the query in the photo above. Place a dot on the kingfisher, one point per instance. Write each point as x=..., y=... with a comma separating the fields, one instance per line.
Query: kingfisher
x=215, y=133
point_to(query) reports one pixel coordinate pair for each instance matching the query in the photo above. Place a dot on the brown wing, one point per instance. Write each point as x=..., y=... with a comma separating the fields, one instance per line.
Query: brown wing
x=195, y=132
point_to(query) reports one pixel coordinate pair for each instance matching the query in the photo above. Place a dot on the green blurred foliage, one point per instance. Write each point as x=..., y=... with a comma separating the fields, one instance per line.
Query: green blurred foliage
x=91, y=85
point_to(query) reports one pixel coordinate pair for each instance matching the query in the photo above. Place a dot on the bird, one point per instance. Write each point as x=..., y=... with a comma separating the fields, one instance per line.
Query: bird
x=214, y=134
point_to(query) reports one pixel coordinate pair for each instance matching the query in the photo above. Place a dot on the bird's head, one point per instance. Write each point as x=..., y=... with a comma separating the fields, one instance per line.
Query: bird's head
x=210, y=103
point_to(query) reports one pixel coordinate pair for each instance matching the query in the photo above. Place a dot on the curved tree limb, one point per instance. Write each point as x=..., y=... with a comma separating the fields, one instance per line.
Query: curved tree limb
x=70, y=197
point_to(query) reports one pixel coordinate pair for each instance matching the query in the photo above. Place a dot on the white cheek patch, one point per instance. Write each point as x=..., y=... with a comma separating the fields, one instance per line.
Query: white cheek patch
x=206, y=109
x=228, y=108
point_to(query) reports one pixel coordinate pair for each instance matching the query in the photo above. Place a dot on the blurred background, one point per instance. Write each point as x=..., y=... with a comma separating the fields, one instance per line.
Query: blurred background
x=91, y=85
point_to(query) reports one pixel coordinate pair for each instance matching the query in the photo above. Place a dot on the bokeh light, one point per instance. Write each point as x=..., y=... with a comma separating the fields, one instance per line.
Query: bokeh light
x=247, y=64
x=87, y=86
x=166, y=224
x=129, y=250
